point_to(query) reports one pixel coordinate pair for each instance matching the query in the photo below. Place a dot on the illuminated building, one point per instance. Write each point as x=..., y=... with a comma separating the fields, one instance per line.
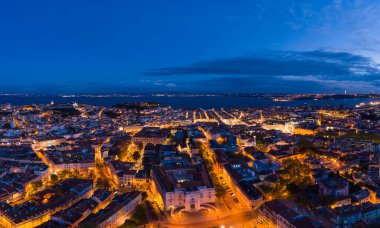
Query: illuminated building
x=183, y=187
x=286, y=214
x=114, y=215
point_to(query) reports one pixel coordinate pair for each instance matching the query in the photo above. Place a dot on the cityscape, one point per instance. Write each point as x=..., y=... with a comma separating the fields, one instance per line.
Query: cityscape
x=190, y=114
x=148, y=165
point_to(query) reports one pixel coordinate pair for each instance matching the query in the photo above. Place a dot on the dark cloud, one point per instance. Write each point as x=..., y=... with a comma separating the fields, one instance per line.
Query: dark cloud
x=250, y=84
x=288, y=71
x=319, y=63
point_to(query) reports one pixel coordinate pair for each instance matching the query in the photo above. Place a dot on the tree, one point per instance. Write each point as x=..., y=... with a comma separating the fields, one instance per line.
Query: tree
x=123, y=152
x=305, y=145
x=111, y=114
x=36, y=185
x=296, y=172
x=75, y=172
x=64, y=174
x=102, y=184
x=91, y=174
x=139, y=218
x=136, y=155
x=295, y=176
x=88, y=225
x=140, y=215
x=220, y=191
x=7, y=126
x=129, y=224
x=54, y=178
x=99, y=165
x=144, y=195
x=140, y=145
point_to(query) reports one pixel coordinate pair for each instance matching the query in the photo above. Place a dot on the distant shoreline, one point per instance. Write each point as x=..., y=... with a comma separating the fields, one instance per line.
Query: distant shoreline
x=293, y=96
x=196, y=100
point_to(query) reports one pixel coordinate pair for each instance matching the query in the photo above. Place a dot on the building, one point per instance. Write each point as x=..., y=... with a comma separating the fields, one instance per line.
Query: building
x=333, y=187
x=362, y=196
x=80, y=159
x=185, y=187
x=286, y=214
x=23, y=153
x=43, y=204
x=239, y=178
x=114, y=215
x=153, y=135
x=375, y=147
x=73, y=215
x=122, y=172
x=348, y=215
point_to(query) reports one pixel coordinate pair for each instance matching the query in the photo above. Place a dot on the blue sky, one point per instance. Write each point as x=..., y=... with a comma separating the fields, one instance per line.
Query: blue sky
x=72, y=46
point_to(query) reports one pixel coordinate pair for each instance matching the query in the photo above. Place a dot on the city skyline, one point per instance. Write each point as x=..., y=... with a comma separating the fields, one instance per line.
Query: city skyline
x=189, y=114
x=218, y=47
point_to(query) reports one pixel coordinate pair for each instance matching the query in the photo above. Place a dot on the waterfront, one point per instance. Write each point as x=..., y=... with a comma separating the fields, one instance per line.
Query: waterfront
x=205, y=102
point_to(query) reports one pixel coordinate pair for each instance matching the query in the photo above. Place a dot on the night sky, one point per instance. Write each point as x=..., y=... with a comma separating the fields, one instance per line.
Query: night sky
x=258, y=46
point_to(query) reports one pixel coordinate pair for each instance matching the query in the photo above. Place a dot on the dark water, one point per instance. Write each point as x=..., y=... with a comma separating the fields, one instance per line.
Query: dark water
x=179, y=102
